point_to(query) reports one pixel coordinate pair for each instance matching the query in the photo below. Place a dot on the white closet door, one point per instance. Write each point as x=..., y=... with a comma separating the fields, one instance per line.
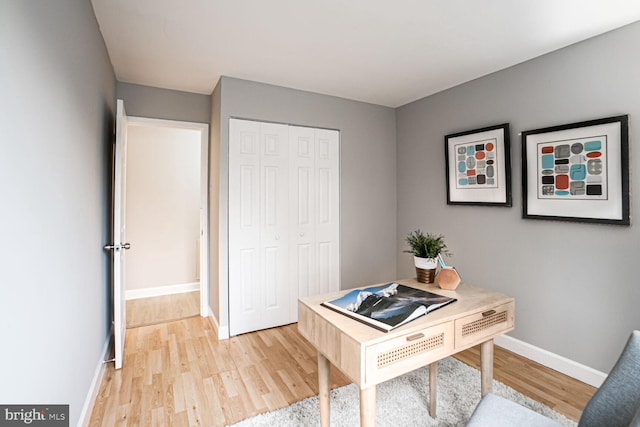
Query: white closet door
x=328, y=209
x=259, y=290
x=314, y=200
x=274, y=239
x=302, y=193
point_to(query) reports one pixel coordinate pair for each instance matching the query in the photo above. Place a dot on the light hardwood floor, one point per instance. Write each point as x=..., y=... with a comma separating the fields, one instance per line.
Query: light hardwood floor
x=561, y=393
x=178, y=374
x=161, y=309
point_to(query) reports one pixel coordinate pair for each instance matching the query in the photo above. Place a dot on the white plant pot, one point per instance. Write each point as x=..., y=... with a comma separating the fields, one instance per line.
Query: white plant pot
x=425, y=263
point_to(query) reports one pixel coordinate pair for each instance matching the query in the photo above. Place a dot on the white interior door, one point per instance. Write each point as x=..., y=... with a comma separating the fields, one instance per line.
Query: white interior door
x=302, y=192
x=314, y=206
x=283, y=220
x=277, y=293
x=260, y=294
x=327, y=214
x=118, y=245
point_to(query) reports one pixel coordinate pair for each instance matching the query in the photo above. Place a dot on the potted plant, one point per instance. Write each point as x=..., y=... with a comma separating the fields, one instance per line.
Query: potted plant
x=425, y=249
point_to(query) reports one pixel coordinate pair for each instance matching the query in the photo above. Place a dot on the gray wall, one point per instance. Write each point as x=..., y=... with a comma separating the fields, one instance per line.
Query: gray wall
x=367, y=169
x=156, y=103
x=58, y=90
x=575, y=284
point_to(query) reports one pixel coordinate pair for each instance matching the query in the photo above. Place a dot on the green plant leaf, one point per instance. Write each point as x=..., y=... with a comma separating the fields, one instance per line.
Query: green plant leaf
x=427, y=245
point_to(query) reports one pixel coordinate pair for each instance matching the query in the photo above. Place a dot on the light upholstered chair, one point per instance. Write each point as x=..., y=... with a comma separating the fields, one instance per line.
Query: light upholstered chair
x=615, y=404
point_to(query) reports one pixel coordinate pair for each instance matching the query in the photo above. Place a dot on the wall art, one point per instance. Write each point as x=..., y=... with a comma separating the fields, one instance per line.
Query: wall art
x=577, y=172
x=478, y=167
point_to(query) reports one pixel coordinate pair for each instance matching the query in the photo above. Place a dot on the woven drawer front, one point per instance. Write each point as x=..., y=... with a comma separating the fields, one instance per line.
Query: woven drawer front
x=410, y=350
x=483, y=325
x=404, y=353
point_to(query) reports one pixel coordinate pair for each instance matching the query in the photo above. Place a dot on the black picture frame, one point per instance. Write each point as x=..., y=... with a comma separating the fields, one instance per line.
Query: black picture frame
x=577, y=172
x=478, y=167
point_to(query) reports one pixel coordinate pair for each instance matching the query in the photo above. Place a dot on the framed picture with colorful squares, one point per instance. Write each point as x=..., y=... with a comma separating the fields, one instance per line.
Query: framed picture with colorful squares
x=577, y=172
x=478, y=167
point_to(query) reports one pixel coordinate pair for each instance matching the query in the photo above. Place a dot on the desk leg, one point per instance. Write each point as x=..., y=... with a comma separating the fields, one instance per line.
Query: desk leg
x=368, y=406
x=486, y=362
x=433, y=388
x=324, y=380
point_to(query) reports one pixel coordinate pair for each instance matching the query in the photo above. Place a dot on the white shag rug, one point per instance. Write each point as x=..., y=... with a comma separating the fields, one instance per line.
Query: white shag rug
x=404, y=401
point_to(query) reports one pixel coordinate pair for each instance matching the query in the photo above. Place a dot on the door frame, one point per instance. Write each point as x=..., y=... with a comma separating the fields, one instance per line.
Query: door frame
x=203, y=128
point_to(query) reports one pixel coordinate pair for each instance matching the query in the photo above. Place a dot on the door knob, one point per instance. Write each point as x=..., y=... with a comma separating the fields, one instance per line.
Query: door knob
x=117, y=247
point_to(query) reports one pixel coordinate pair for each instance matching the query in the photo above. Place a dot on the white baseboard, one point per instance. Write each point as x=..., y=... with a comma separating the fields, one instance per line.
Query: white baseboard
x=161, y=290
x=94, y=388
x=223, y=332
x=208, y=312
x=554, y=361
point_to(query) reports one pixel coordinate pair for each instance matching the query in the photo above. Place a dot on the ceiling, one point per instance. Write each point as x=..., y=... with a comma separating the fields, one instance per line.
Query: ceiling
x=379, y=51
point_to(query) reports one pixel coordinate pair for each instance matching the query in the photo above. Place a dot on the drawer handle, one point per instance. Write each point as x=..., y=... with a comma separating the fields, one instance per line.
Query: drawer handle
x=415, y=337
x=488, y=313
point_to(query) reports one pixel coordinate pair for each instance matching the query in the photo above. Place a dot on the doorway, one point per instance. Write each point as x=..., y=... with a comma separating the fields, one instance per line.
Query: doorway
x=166, y=211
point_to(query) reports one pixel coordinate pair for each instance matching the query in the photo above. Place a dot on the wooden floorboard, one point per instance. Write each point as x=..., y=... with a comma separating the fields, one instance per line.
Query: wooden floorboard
x=561, y=393
x=161, y=309
x=178, y=374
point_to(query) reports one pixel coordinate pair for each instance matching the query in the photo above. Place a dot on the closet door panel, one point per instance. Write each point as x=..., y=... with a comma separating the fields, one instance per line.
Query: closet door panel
x=328, y=209
x=248, y=270
x=259, y=291
x=283, y=221
x=244, y=224
x=274, y=281
x=302, y=191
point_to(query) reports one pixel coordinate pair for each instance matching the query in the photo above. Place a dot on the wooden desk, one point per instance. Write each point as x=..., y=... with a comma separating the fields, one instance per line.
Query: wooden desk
x=368, y=356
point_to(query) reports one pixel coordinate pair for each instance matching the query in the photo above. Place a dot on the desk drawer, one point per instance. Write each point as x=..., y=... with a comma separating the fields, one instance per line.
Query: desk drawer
x=480, y=326
x=405, y=353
